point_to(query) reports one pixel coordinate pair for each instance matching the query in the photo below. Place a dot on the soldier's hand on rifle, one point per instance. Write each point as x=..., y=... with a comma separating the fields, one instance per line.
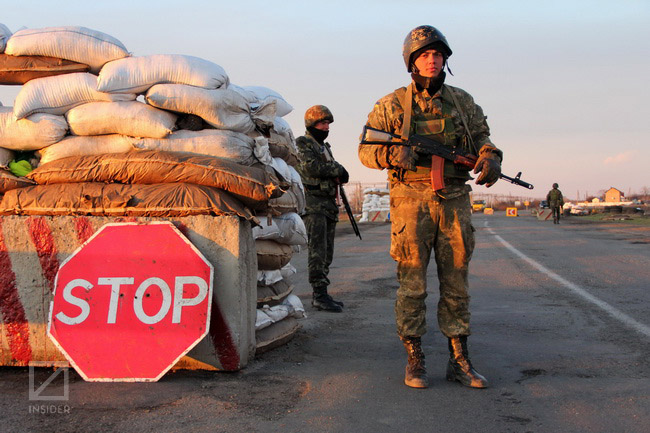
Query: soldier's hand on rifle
x=489, y=165
x=343, y=176
x=402, y=157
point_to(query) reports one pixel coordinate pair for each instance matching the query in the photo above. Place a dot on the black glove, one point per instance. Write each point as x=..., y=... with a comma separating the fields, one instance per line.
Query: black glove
x=344, y=176
x=400, y=156
x=489, y=165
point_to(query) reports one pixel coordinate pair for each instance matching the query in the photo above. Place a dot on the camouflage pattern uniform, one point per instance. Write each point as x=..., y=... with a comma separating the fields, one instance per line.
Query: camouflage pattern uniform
x=319, y=171
x=422, y=219
x=555, y=202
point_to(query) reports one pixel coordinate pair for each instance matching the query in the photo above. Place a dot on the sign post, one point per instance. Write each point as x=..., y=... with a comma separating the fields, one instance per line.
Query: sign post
x=130, y=302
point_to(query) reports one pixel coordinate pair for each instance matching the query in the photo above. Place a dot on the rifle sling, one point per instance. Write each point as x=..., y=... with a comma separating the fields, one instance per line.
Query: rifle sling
x=462, y=117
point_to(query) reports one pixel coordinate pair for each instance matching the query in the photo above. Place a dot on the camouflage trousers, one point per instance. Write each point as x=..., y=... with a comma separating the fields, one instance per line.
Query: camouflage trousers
x=419, y=227
x=320, y=233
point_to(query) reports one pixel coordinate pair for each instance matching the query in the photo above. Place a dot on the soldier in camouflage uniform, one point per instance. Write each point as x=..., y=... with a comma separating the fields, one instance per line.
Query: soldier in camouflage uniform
x=321, y=175
x=422, y=219
x=555, y=202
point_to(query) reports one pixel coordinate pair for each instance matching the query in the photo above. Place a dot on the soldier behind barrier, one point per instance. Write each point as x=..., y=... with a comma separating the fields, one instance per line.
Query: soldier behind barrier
x=555, y=202
x=321, y=175
x=425, y=220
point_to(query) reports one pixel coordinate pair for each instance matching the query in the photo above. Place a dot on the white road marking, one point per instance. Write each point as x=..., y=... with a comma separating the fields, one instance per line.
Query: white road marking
x=614, y=312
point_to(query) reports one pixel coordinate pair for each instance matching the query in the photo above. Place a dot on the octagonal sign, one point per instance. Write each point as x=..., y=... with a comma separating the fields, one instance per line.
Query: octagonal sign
x=130, y=302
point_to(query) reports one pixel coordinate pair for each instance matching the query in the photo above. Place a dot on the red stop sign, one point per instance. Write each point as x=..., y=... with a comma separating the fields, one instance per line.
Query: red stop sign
x=130, y=302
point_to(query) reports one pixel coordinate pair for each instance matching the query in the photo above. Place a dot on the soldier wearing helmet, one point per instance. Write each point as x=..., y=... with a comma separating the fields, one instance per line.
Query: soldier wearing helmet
x=425, y=220
x=321, y=175
x=555, y=202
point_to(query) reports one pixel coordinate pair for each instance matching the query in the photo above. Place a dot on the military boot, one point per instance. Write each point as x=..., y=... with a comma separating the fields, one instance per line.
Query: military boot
x=416, y=372
x=322, y=301
x=460, y=368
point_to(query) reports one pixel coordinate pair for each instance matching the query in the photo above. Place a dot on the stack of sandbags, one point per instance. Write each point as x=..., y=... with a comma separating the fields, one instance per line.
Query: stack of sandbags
x=376, y=205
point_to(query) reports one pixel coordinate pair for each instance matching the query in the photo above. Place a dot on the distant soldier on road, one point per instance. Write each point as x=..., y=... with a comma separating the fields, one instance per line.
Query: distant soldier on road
x=423, y=219
x=321, y=175
x=555, y=202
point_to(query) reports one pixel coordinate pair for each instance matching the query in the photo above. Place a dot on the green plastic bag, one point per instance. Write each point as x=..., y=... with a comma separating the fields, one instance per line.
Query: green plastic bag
x=20, y=168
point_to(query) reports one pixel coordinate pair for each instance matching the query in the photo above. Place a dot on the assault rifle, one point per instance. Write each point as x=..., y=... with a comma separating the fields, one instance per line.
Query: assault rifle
x=438, y=152
x=348, y=210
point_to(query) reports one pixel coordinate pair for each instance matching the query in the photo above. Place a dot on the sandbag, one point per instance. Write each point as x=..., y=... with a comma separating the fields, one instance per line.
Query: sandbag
x=138, y=74
x=281, y=147
x=266, y=278
x=58, y=94
x=86, y=145
x=9, y=181
x=21, y=69
x=265, y=94
x=287, y=202
x=286, y=229
x=131, y=118
x=78, y=44
x=6, y=156
x=221, y=108
x=275, y=334
x=294, y=199
x=114, y=199
x=273, y=294
x=5, y=34
x=251, y=185
x=272, y=255
x=32, y=133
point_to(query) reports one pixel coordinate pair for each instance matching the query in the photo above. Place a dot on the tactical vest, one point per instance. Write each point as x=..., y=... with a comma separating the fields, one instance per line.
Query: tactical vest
x=320, y=186
x=439, y=126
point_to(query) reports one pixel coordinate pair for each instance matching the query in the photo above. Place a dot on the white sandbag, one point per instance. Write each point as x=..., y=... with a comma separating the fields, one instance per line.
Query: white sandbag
x=264, y=94
x=249, y=96
x=288, y=229
x=277, y=312
x=5, y=34
x=262, y=151
x=281, y=126
x=138, y=74
x=86, y=145
x=287, y=271
x=32, y=133
x=229, y=145
x=262, y=320
x=6, y=156
x=78, y=44
x=221, y=108
x=266, y=278
x=60, y=93
x=297, y=189
x=296, y=309
x=127, y=118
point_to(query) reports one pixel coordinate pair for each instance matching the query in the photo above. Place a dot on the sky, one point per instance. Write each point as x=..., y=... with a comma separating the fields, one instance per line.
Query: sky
x=564, y=83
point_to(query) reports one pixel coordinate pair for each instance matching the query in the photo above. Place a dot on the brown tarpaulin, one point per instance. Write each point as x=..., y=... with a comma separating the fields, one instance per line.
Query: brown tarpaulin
x=253, y=186
x=21, y=69
x=9, y=181
x=113, y=199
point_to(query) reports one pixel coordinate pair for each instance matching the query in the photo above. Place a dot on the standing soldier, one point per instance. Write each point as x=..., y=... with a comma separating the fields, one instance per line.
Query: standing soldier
x=321, y=176
x=424, y=219
x=555, y=202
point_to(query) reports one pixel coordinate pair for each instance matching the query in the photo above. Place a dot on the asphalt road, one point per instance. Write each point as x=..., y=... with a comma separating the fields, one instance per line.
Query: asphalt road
x=560, y=328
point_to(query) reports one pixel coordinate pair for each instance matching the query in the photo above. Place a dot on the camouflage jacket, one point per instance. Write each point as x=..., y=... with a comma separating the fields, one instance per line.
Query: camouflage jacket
x=388, y=115
x=318, y=171
x=554, y=198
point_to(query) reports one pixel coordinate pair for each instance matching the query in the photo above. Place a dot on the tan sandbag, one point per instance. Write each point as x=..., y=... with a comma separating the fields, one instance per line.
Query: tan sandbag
x=221, y=108
x=285, y=153
x=21, y=69
x=58, y=94
x=86, y=145
x=9, y=181
x=32, y=133
x=113, y=199
x=79, y=44
x=251, y=185
x=272, y=255
x=6, y=156
x=273, y=294
x=231, y=145
x=287, y=202
x=132, y=118
x=276, y=335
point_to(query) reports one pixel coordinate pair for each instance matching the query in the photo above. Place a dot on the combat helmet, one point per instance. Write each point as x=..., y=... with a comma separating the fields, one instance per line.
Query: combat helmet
x=555, y=185
x=421, y=37
x=316, y=114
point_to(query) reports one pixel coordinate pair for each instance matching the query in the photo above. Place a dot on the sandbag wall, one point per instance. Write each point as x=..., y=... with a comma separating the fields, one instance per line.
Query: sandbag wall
x=376, y=205
x=112, y=134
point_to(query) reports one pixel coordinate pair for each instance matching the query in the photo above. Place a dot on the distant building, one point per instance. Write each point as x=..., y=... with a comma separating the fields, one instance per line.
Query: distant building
x=613, y=195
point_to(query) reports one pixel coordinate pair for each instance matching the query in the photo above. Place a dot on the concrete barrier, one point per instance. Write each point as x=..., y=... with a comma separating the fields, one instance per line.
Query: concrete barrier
x=544, y=214
x=33, y=247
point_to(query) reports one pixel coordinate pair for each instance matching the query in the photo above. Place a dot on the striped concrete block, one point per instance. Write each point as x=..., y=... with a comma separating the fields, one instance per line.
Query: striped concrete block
x=33, y=247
